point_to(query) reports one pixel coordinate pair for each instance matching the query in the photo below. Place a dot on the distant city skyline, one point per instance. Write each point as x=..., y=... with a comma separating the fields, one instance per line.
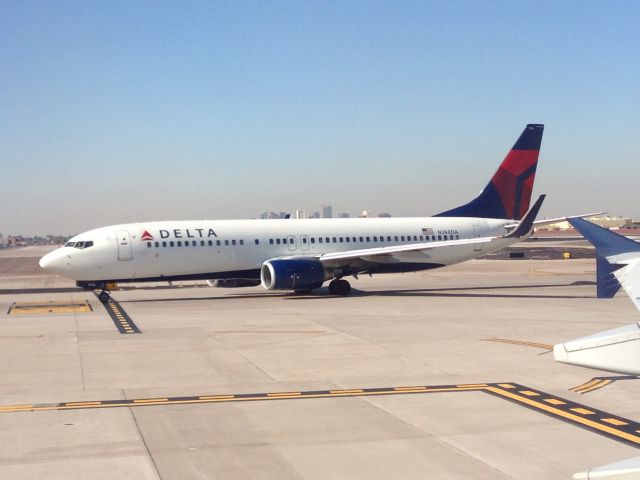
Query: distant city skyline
x=111, y=115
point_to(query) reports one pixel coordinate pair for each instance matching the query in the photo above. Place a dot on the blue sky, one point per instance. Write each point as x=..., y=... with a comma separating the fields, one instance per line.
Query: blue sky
x=129, y=111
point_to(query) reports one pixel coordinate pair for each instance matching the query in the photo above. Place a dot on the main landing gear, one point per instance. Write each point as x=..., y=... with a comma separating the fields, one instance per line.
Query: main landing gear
x=339, y=287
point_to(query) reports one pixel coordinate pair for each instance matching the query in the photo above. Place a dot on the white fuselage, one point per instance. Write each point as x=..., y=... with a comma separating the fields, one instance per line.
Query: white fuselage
x=237, y=248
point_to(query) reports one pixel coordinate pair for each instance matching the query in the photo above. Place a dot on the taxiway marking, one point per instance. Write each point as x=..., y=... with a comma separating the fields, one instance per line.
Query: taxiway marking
x=597, y=421
x=120, y=318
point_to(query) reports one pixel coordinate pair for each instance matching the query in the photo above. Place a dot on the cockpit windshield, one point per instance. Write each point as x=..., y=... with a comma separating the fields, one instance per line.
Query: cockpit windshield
x=81, y=244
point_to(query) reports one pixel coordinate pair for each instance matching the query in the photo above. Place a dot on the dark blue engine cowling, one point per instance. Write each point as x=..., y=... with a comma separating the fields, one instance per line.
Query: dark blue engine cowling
x=292, y=274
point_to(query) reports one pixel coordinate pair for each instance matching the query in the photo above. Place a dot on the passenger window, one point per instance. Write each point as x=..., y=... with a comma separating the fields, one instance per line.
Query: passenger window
x=157, y=244
x=446, y=237
x=233, y=242
x=457, y=237
x=164, y=244
x=186, y=244
x=396, y=238
x=335, y=240
x=375, y=239
x=202, y=243
x=79, y=244
x=218, y=243
x=388, y=238
x=313, y=240
x=148, y=244
x=271, y=241
x=88, y=244
x=353, y=239
x=171, y=244
x=433, y=237
x=257, y=242
x=402, y=238
x=421, y=238
x=304, y=239
x=278, y=241
x=226, y=243
x=361, y=239
x=327, y=240
x=347, y=239
x=319, y=239
x=340, y=239
x=439, y=237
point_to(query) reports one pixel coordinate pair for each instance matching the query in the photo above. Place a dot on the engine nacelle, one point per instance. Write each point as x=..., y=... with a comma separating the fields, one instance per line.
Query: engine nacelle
x=292, y=274
x=233, y=283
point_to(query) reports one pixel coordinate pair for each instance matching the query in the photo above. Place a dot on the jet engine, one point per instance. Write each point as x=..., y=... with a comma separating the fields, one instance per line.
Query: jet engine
x=233, y=283
x=292, y=274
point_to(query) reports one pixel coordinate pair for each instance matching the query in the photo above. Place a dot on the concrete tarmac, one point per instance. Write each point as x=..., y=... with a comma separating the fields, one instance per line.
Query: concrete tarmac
x=64, y=360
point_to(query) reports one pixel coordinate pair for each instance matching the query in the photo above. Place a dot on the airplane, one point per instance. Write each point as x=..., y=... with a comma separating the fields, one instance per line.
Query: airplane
x=616, y=350
x=301, y=255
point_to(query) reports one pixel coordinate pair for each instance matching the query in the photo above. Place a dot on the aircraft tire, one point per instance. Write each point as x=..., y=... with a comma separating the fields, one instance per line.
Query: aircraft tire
x=104, y=297
x=339, y=287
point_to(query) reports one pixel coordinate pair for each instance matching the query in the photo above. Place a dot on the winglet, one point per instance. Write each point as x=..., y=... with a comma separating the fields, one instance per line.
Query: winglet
x=607, y=244
x=526, y=224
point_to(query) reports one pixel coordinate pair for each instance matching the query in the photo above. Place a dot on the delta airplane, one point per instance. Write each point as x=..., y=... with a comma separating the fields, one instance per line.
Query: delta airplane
x=301, y=255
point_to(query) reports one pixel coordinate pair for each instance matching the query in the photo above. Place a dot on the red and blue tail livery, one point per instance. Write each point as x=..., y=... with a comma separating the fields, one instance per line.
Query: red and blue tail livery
x=508, y=194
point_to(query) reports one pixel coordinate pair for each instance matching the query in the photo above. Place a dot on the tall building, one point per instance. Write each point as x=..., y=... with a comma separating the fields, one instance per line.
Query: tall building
x=344, y=215
x=327, y=211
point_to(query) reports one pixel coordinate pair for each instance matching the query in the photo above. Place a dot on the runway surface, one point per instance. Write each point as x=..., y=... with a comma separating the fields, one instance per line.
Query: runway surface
x=444, y=374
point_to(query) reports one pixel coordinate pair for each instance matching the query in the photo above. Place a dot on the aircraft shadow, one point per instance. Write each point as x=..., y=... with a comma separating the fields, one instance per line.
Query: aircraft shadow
x=455, y=292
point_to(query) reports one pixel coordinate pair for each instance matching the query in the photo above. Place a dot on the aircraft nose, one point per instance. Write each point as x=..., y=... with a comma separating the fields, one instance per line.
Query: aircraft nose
x=52, y=262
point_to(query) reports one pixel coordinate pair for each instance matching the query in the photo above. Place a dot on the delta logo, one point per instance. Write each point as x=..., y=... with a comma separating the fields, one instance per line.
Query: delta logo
x=146, y=236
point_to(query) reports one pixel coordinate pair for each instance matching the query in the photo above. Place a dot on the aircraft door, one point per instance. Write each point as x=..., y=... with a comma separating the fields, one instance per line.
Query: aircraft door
x=124, y=245
x=291, y=242
x=304, y=242
x=477, y=233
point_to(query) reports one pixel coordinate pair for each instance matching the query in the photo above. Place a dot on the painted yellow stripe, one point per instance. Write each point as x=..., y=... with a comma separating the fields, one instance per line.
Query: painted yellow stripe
x=529, y=393
x=148, y=400
x=583, y=411
x=570, y=416
x=410, y=389
x=506, y=385
x=472, y=385
x=588, y=384
x=217, y=397
x=339, y=392
x=602, y=383
x=554, y=401
x=284, y=394
x=81, y=404
x=614, y=421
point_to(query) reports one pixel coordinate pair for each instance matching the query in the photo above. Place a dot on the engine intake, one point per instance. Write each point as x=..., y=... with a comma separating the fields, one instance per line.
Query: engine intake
x=293, y=274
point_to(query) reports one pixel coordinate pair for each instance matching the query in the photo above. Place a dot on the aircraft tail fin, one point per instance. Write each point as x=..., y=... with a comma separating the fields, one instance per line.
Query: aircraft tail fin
x=607, y=244
x=508, y=194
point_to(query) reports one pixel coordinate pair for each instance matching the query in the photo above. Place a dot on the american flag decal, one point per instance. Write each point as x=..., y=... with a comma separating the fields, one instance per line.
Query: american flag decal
x=427, y=231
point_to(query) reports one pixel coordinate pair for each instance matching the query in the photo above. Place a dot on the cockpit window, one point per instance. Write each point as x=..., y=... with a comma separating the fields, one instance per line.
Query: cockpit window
x=87, y=244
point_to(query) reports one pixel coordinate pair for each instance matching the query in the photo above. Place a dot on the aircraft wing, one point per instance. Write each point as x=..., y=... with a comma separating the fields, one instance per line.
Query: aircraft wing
x=550, y=221
x=420, y=252
x=396, y=253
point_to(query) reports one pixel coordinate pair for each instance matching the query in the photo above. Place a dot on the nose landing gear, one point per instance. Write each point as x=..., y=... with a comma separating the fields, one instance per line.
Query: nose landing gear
x=104, y=296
